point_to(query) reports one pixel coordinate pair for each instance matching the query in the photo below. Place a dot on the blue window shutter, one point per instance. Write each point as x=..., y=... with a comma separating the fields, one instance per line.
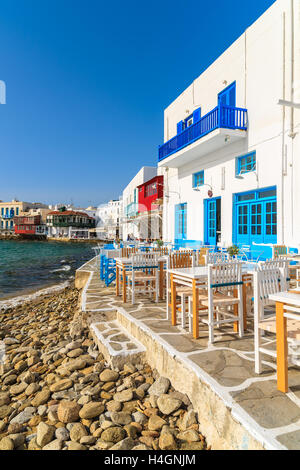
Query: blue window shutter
x=237, y=166
x=196, y=115
x=232, y=93
x=179, y=127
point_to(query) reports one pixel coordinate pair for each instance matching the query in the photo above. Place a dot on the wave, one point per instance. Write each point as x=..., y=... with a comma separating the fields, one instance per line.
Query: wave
x=16, y=301
x=66, y=268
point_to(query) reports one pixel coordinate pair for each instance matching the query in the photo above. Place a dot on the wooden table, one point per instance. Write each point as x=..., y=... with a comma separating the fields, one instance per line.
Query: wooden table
x=124, y=264
x=282, y=299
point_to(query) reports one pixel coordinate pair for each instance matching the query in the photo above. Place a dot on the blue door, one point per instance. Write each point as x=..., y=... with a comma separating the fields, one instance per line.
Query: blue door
x=227, y=103
x=180, y=222
x=212, y=221
x=255, y=217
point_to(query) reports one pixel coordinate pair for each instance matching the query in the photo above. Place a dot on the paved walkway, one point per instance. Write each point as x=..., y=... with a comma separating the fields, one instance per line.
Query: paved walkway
x=227, y=365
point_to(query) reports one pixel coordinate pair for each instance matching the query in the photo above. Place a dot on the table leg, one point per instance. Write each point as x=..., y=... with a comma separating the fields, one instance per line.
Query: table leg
x=173, y=301
x=195, y=311
x=161, y=279
x=124, y=285
x=235, y=312
x=117, y=281
x=245, y=304
x=282, y=349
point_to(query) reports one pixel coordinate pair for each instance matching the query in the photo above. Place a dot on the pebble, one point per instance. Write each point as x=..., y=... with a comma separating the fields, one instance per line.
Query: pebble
x=57, y=392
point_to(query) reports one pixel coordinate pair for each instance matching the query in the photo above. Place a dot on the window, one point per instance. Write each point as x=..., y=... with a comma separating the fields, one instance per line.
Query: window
x=151, y=189
x=246, y=164
x=198, y=179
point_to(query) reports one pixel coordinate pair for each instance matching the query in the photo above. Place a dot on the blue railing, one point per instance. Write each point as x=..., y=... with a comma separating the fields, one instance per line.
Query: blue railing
x=226, y=117
x=7, y=216
x=131, y=210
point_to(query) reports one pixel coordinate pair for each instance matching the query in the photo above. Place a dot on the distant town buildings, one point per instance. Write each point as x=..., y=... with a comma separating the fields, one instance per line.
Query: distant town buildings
x=65, y=223
x=8, y=210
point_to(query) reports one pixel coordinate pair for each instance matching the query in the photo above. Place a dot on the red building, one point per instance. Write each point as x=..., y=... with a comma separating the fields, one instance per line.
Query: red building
x=29, y=225
x=149, y=217
x=149, y=192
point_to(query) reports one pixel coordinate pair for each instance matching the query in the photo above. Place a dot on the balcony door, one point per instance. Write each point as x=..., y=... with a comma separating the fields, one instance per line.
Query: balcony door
x=227, y=98
x=212, y=221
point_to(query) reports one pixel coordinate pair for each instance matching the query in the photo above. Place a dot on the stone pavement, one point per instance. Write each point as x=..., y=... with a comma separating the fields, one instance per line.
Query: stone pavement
x=273, y=418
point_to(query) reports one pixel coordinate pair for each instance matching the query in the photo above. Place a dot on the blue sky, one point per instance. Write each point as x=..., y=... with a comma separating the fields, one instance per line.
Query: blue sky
x=87, y=82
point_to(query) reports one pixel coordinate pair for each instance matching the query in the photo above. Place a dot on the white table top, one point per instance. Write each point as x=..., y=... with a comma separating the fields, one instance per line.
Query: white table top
x=286, y=298
x=200, y=272
x=129, y=260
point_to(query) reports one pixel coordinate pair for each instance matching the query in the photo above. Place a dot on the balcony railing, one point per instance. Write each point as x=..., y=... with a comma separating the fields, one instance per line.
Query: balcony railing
x=225, y=117
x=131, y=210
x=7, y=216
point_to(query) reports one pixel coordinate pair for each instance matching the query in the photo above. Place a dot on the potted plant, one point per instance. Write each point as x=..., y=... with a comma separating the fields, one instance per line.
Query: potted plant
x=233, y=251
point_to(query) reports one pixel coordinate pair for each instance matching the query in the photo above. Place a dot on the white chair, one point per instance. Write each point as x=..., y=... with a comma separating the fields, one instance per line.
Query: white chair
x=144, y=275
x=224, y=290
x=265, y=283
x=216, y=257
x=278, y=263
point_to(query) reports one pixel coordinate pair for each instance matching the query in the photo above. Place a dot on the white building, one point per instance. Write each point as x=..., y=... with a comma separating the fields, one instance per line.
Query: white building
x=108, y=220
x=231, y=157
x=130, y=202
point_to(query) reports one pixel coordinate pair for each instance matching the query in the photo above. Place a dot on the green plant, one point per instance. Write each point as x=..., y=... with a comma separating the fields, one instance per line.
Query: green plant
x=159, y=243
x=233, y=251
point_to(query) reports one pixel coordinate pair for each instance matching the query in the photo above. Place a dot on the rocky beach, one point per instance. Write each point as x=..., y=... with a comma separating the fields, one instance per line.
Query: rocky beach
x=58, y=393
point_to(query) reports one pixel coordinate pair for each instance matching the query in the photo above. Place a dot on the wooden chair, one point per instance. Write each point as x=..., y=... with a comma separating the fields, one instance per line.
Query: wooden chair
x=265, y=283
x=200, y=256
x=144, y=275
x=224, y=290
x=180, y=259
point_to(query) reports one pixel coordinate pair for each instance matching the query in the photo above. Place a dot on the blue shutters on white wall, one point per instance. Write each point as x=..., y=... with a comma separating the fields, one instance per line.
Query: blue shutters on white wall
x=196, y=115
x=179, y=127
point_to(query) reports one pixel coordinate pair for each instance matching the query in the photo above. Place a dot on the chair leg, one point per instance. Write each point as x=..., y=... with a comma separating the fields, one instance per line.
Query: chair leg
x=190, y=314
x=132, y=288
x=157, y=286
x=211, y=323
x=183, y=310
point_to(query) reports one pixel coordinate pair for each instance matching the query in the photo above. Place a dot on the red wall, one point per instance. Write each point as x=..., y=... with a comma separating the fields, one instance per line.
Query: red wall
x=29, y=229
x=146, y=203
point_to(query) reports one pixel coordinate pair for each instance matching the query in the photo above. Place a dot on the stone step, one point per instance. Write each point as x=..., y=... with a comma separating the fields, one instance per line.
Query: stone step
x=116, y=344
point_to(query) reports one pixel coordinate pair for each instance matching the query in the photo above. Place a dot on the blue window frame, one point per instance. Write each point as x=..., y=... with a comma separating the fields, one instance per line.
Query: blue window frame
x=255, y=217
x=246, y=164
x=181, y=221
x=198, y=179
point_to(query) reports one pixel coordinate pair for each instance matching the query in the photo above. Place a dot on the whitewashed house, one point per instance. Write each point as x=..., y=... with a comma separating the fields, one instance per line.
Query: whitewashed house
x=131, y=227
x=108, y=217
x=231, y=153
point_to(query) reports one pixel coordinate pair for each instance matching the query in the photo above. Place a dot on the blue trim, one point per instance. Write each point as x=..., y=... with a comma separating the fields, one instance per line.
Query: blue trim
x=210, y=220
x=227, y=96
x=246, y=163
x=198, y=179
x=221, y=117
x=255, y=217
x=181, y=221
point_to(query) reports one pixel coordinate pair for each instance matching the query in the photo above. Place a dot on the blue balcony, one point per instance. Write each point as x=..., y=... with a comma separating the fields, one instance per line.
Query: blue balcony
x=7, y=216
x=131, y=210
x=221, y=117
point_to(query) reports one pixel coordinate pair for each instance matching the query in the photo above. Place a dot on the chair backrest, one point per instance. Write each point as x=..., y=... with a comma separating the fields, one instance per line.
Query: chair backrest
x=225, y=275
x=282, y=265
x=200, y=256
x=279, y=250
x=180, y=260
x=265, y=283
x=126, y=252
x=214, y=258
x=145, y=260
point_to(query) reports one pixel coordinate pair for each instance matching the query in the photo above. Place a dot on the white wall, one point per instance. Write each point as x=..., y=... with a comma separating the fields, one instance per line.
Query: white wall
x=260, y=62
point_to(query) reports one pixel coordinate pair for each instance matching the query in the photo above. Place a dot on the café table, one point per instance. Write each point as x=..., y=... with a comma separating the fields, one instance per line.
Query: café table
x=284, y=301
x=123, y=265
x=195, y=277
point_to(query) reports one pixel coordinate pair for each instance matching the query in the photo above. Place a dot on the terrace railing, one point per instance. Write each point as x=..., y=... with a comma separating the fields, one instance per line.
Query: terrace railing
x=226, y=117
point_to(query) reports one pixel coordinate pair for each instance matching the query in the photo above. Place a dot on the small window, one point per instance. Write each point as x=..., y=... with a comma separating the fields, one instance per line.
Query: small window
x=246, y=197
x=198, y=179
x=246, y=164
